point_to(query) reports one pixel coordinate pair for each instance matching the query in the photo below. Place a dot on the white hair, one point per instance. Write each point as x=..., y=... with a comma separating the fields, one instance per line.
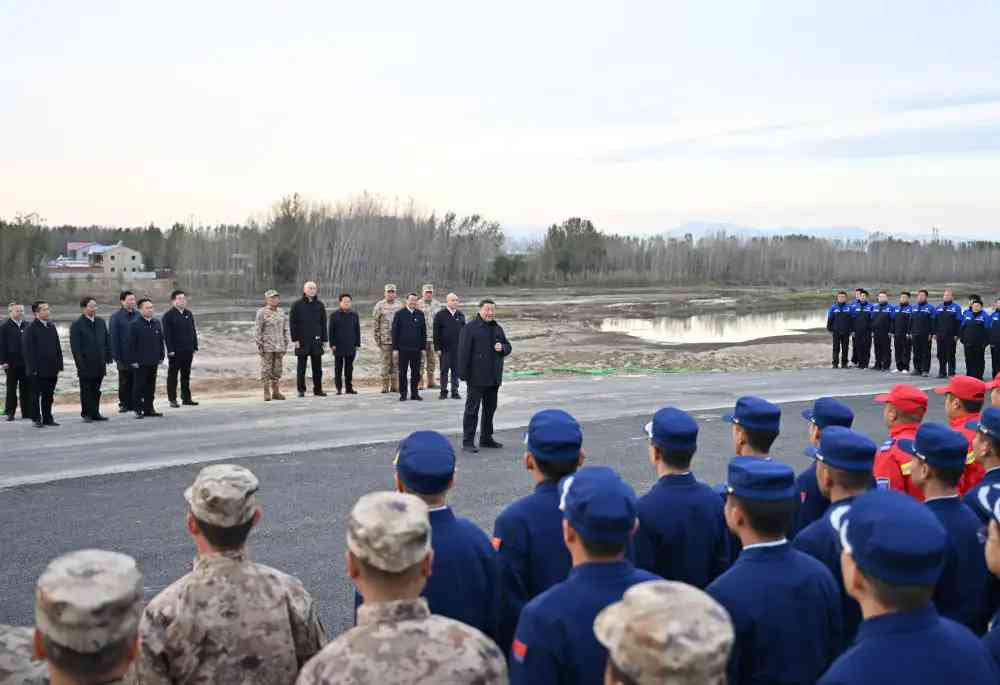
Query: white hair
x=451, y=295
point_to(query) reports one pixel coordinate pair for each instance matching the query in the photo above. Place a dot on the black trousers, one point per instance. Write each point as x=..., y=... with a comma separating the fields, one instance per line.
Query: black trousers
x=126, y=379
x=946, y=346
x=449, y=368
x=18, y=387
x=343, y=371
x=921, y=353
x=995, y=355
x=474, y=396
x=43, y=390
x=144, y=388
x=975, y=360
x=315, y=356
x=409, y=360
x=883, y=351
x=903, y=346
x=179, y=365
x=90, y=396
x=863, y=349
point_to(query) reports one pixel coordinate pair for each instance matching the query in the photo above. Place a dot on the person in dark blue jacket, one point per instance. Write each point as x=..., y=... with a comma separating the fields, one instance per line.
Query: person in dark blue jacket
x=825, y=412
x=986, y=451
x=991, y=501
x=939, y=461
x=682, y=532
x=555, y=641
x=861, y=317
x=784, y=604
x=975, y=335
x=995, y=338
x=947, y=325
x=756, y=424
x=119, y=325
x=448, y=324
x=894, y=548
x=844, y=461
x=145, y=352
x=882, y=314
x=528, y=533
x=409, y=338
x=902, y=343
x=922, y=323
x=839, y=323
x=464, y=583
x=345, y=340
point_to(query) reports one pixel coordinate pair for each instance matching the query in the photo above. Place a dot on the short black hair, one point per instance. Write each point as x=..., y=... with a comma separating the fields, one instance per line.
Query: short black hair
x=842, y=292
x=972, y=406
x=143, y=301
x=603, y=548
x=343, y=295
x=994, y=443
x=36, y=304
x=855, y=481
x=882, y=292
x=858, y=290
x=864, y=292
x=225, y=538
x=905, y=292
x=900, y=597
x=174, y=294
x=87, y=666
x=975, y=298
x=924, y=292
x=675, y=458
x=412, y=294
x=948, y=476
x=760, y=441
x=771, y=518
x=123, y=295
x=487, y=301
x=555, y=470
x=87, y=300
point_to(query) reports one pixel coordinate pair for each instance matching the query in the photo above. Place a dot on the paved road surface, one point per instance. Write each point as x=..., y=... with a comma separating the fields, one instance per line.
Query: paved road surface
x=314, y=457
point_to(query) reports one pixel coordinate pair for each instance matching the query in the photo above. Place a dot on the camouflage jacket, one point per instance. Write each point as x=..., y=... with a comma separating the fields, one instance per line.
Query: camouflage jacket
x=271, y=330
x=17, y=666
x=430, y=310
x=402, y=643
x=228, y=621
x=383, y=314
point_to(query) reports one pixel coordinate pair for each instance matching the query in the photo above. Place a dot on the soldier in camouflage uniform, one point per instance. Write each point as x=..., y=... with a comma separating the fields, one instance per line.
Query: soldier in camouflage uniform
x=665, y=632
x=430, y=307
x=17, y=658
x=397, y=641
x=230, y=620
x=385, y=310
x=271, y=335
x=87, y=607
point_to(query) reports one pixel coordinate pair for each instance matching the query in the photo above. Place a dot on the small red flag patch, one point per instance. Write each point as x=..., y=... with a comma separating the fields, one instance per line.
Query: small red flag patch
x=520, y=650
x=803, y=495
x=496, y=543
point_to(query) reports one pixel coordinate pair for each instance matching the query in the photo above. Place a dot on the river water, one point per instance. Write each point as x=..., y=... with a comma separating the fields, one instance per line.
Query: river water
x=730, y=327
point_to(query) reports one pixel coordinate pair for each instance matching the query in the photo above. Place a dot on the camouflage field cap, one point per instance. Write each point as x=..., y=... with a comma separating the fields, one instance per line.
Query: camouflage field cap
x=390, y=286
x=389, y=530
x=664, y=631
x=271, y=293
x=428, y=288
x=223, y=495
x=88, y=600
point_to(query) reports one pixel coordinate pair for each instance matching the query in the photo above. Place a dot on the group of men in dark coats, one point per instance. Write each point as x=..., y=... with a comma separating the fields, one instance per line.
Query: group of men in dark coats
x=32, y=357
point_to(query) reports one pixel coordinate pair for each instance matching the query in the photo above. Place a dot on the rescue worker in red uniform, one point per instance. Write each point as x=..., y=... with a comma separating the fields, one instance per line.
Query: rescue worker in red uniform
x=905, y=406
x=964, y=397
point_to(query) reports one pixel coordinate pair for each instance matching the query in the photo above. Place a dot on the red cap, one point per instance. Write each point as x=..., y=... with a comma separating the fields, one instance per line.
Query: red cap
x=964, y=388
x=906, y=398
x=995, y=383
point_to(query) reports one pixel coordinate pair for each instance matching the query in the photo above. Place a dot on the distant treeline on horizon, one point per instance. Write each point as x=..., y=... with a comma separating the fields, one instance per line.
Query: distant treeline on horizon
x=361, y=244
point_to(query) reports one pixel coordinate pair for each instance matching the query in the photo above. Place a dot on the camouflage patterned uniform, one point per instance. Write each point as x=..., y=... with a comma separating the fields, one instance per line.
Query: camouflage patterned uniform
x=272, y=342
x=430, y=310
x=667, y=632
x=17, y=665
x=382, y=315
x=230, y=620
x=399, y=642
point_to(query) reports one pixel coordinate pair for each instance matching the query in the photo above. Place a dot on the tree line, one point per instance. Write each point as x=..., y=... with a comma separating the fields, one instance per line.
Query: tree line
x=364, y=242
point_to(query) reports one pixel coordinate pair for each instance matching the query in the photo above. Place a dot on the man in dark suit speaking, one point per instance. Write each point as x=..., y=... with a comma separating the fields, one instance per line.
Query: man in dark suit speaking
x=482, y=347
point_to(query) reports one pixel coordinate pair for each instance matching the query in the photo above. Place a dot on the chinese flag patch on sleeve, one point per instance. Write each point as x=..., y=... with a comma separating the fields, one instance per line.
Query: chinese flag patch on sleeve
x=519, y=649
x=496, y=543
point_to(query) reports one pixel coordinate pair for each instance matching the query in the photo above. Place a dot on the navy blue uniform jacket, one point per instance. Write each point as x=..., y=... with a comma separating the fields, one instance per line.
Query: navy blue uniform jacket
x=812, y=504
x=785, y=608
x=682, y=531
x=992, y=639
x=179, y=331
x=120, y=321
x=145, y=342
x=555, y=640
x=409, y=330
x=960, y=593
x=913, y=647
x=977, y=498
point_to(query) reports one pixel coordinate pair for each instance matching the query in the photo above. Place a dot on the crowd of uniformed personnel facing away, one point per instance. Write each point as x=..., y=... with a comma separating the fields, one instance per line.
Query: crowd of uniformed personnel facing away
x=908, y=328
x=875, y=565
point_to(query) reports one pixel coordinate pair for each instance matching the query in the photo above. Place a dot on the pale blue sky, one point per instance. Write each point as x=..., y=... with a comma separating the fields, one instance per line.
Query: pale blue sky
x=640, y=115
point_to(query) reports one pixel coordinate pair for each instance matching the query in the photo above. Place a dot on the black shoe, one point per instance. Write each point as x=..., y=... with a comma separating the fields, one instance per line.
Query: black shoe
x=155, y=414
x=140, y=415
x=351, y=391
x=417, y=397
x=302, y=393
x=37, y=423
x=87, y=419
x=50, y=422
x=174, y=405
x=190, y=403
x=99, y=418
x=942, y=375
x=319, y=393
x=490, y=444
x=402, y=398
x=443, y=396
x=455, y=396
x=10, y=417
x=470, y=448
x=124, y=410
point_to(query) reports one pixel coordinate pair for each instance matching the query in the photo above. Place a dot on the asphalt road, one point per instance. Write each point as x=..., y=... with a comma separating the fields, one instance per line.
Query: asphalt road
x=307, y=492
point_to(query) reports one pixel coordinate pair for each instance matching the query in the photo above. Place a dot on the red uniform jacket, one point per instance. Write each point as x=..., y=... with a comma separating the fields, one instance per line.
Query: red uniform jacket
x=974, y=471
x=892, y=465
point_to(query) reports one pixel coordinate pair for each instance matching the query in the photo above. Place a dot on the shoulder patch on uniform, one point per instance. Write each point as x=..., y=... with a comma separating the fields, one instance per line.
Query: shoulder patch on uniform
x=803, y=495
x=887, y=445
x=882, y=483
x=496, y=542
x=970, y=457
x=906, y=468
x=519, y=649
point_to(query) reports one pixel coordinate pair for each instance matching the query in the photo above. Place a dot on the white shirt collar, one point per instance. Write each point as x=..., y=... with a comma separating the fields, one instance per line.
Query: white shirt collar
x=931, y=499
x=441, y=508
x=774, y=543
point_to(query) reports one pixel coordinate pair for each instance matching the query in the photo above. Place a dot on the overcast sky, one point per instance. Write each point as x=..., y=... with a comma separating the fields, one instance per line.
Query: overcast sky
x=639, y=115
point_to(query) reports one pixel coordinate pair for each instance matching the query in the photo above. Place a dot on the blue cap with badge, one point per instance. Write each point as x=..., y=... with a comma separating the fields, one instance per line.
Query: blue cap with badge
x=845, y=449
x=761, y=479
x=673, y=429
x=827, y=411
x=598, y=504
x=938, y=445
x=554, y=435
x=755, y=413
x=894, y=538
x=425, y=462
x=988, y=423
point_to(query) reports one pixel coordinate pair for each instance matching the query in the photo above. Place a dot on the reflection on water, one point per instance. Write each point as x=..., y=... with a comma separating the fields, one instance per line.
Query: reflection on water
x=714, y=328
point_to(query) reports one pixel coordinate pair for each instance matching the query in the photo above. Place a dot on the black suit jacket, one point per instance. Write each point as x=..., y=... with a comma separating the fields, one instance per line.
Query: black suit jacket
x=479, y=363
x=91, y=347
x=43, y=355
x=447, y=329
x=409, y=330
x=11, y=343
x=345, y=332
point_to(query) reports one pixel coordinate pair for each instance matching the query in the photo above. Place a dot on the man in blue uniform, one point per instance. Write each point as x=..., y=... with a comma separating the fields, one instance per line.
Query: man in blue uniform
x=986, y=451
x=144, y=351
x=756, y=424
x=853, y=303
x=995, y=338
x=922, y=317
x=682, y=532
x=894, y=548
x=464, y=583
x=840, y=325
x=119, y=328
x=882, y=314
x=844, y=461
x=937, y=468
x=861, y=314
x=555, y=641
x=992, y=554
x=825, y=412
x=901, y=333
x=947, y=322
x=784, y=604
x=528, y=533
x=975, y=335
